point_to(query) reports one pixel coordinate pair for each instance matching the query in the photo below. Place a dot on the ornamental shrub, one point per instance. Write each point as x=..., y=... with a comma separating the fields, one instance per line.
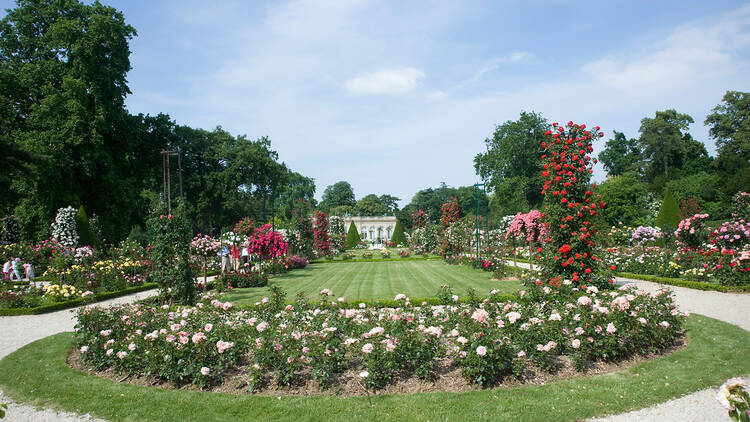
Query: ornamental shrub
x=570, y=208
x=336, y=233
x=267, y=243
x=322, y=242
x=10, y=230
x=64, y=227
x=82, y=224
x=398, y=237
x=668, y=217
x=352, y=237
x=243, y=280
x=170, y=254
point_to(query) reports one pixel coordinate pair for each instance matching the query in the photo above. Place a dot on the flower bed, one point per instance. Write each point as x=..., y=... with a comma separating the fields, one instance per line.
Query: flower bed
x=281, y=345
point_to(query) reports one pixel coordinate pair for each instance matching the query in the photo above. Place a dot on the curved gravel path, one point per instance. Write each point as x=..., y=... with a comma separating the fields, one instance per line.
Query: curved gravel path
x=699, y=407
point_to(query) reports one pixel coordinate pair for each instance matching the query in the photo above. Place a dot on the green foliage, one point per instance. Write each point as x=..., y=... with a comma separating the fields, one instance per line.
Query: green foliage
x=83, y=228
x=10, y=229
x=730, y=128
x=705, y=189
x=170, y=254
x=662, y=142
x=398, y=237
x=340, y=194
x=370, y=205
x=669, y=214
x=626, y=199
x=511, y=166
x=138, y=235
x=352, y=236
x=621, y=155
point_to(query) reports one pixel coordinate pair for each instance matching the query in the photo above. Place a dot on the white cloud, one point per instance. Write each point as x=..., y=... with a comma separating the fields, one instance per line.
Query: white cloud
x=690, y=53
x=395, y=81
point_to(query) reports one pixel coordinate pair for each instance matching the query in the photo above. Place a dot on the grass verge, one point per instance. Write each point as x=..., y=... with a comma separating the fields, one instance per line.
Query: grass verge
x=37, y=374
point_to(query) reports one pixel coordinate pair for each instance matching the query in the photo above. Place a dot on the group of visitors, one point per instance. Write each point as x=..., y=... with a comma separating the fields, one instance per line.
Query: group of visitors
x=11, y=273
x=234, y=258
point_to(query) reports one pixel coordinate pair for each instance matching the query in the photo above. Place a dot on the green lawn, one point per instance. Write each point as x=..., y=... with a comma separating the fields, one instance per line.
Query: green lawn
x=37, y=374
x=378, y=280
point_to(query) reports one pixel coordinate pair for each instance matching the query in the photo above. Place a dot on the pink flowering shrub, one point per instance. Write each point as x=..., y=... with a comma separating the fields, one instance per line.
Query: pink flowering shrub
x=267, y=243
x=692, y=231
x=487, y=339
x=731, y=234
x=528, y=227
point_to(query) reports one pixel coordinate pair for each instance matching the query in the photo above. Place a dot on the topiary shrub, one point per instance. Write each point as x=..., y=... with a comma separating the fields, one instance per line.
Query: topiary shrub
x=352, y=237
x=82, y=225
x=398, y=238
x=668, y=217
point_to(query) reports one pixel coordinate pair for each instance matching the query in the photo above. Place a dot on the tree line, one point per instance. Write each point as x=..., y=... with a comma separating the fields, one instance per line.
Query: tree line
x=664, y=157
x=69, y=140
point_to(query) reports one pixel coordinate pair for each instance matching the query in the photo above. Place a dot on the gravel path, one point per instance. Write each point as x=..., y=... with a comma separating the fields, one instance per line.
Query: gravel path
x=699, y=407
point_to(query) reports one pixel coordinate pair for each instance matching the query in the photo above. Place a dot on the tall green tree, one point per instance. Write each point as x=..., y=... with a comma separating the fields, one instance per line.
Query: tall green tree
x=370, y=205
x=626, y=200
x=339, y=194
x=390, y=201
x=729, y=126
x=662, y=142
x=512, y=166
x=621, y=155
x=63, y=67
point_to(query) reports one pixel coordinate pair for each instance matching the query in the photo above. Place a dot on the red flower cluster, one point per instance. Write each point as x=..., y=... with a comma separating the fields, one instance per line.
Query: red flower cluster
x=570, y=207
x=418, y=218
x=322, y=242
x=267, y=243
x=449, y=213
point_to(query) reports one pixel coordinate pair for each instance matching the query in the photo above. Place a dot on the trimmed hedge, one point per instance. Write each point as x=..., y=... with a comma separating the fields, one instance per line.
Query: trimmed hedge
x=698, y=285
x=398, y=237
x=75, y=302
x=352, y=237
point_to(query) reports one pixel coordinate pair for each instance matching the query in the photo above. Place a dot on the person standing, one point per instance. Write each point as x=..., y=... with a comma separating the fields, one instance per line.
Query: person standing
x=235, y=257
x=14, y=270
x=245, y=257
x=225, y=260
x=6, y=269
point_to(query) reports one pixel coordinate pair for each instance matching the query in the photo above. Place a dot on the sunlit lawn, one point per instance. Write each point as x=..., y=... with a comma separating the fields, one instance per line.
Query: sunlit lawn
x=378, y=280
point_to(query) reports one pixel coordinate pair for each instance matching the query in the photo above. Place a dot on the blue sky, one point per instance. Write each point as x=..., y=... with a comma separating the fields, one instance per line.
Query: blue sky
x=395, y=96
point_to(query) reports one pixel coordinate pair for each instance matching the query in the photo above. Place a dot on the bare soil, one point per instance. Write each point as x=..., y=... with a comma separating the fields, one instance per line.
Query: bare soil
x=349, y=384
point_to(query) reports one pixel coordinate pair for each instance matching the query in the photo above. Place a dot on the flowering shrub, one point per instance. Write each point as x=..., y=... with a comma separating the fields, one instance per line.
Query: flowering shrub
x=528, y=227
x=731, y=235
x=244, y=228
x=423, y=240
x=267, y=243
x=620, y=235
x=337, y=233
x=570, y=206
x=404, y=253
x=295, y=261
x=692, y=231
x=418, y=219
x=645, y=234
x=385, y=253
x=170, y=255
x=203, y=251
x=367, y=255
x=64, y=227
x=488, y=339
x=59, y=293
x=322, y=242
x=734, y=397
x=741, y=205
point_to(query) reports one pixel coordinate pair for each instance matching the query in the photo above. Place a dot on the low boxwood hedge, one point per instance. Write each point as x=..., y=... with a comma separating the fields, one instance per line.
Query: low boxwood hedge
x=698, y=285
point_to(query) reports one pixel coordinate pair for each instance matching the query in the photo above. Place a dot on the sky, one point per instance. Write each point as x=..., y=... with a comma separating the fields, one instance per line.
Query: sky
x=395, y=97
